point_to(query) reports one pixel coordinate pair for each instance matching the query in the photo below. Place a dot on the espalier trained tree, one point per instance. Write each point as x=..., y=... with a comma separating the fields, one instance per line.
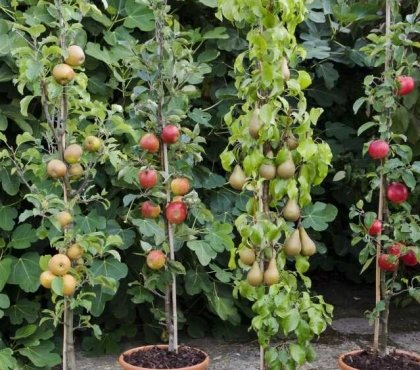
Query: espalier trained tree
x=55, y=161
x=392, y=233
x=277, y=161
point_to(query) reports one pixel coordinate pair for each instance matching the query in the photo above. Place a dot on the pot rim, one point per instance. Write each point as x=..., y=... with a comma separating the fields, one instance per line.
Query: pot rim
x=344, y=366
x=198, y=366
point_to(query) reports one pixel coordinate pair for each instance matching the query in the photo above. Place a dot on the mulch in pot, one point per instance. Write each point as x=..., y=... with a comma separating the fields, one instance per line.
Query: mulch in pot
x=367, y=360
x=161, y=358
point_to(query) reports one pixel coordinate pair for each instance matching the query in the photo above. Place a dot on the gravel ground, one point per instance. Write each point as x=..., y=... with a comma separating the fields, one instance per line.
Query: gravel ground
x=350, y=330
x=245, y=356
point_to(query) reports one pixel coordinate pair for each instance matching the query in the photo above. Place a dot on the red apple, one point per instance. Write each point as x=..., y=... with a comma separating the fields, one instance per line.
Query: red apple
x=375, y=228
x=156, y=259
x=180, y=186
x=378, y=149
x=148, y=178
x=176, y=212
x=409, y=258
x=388, y=262
x=405, y=85
x=149, y=210
x=397, y=192
x=150, y=143
x=170, y=134
x=395, y=249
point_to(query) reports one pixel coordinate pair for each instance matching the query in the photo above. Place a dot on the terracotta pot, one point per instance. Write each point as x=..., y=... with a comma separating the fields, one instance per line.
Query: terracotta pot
x=344, y=366
x=126, y=366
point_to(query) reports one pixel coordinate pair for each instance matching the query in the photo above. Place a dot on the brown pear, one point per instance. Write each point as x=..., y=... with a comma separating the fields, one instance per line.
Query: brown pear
x=287, y=169
x=291, y=142
x=247, y=256
x=271, y=275
x=255, y=276
x=255, y=124
x=267, y=170
x=238, y=178
x=292, y=245
x=285, y=69
x=308, y=245
x=291, y=211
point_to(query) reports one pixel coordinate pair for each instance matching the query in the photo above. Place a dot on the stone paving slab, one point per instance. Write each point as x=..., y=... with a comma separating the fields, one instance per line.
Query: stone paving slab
x=348, y=335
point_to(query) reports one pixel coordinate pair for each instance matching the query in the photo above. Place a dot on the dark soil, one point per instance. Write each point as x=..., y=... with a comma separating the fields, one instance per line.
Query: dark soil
x=393, y=361
x=161, y=358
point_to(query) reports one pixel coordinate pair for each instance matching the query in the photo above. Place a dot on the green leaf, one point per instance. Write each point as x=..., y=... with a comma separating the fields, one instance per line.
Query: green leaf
x=7, y=360
x=318, y=215
x=10, y=183
x=57, y=285
x=357, y=104
x=150, y=228
x=197, y=281
x=24, y=105
x=209, y=3
x=7, y=216
x=205, y=253
x=223, y=307
x=91, y=222
x=365, y=126
x=4, y=303
x=99, y=301
x=42, y=355
x=23, y=310
x=139, y=15
x=415, y=294
x=302, y=264
x=298, y=353
x=26, y=137
x=328, y=73
x=23, y=236
x=291, y=321
x=220, y=237
x=200, y=117
x=25, y=331
x=216, y=33
x=109, y=267
x=25, y=272
x=5, y=269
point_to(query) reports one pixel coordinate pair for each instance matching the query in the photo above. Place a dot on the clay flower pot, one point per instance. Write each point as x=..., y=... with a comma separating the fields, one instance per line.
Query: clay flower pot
x=126, y=366
x=343, y=366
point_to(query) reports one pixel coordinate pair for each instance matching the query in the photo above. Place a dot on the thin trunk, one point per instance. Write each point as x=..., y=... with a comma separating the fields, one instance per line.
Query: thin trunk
x=69, y=354
x=171, y=293
x=170, y=296
x=384, y=315
x=377, y=326
x=381, y=322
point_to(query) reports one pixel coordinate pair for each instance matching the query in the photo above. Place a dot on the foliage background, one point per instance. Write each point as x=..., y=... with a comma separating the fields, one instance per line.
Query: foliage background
x=332, y=35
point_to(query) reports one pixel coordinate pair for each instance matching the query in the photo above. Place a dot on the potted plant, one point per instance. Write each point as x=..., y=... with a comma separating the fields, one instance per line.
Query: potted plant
x=167, y=151
x=275, y=160
x=389, y=234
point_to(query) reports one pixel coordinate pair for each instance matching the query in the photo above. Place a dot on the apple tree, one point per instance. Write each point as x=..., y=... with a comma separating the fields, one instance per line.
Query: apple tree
x=51, y=166
x=179, y=235
x=391, y=232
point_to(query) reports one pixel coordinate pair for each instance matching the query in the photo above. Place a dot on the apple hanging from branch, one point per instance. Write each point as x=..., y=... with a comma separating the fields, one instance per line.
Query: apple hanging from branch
x=406, y=85
x=148, y=178
x=397, y=192
x=378, y=149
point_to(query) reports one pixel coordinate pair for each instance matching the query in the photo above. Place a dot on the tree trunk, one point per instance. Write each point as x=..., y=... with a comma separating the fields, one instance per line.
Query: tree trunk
x=69, y=354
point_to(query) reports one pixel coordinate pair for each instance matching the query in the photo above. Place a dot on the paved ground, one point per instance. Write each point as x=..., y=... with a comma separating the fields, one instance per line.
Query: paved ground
x=350, y=330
